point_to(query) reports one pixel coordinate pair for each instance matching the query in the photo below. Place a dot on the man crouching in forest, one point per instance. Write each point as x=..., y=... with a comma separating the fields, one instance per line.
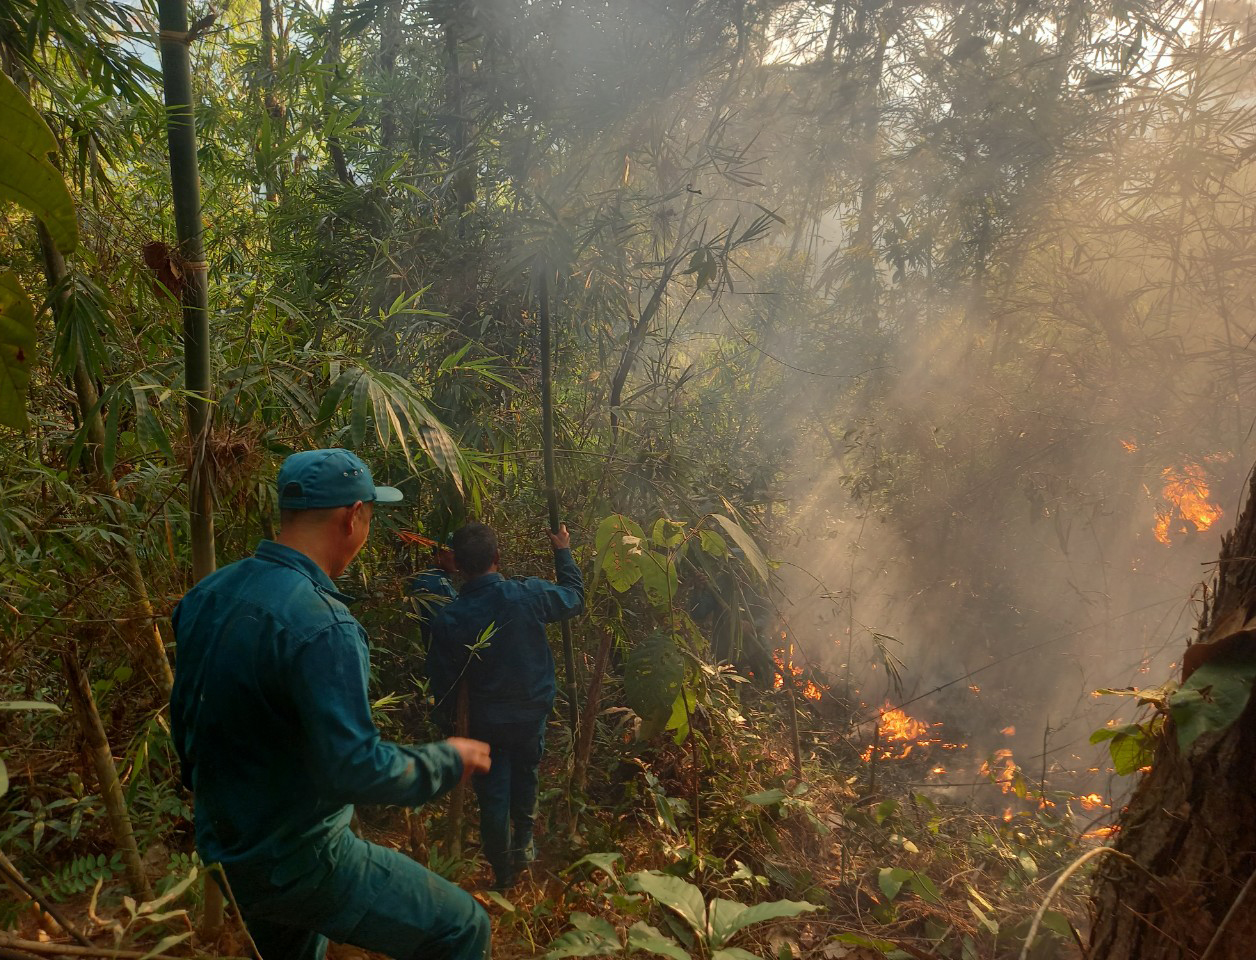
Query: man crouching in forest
x=492, y=638
x=274, y=733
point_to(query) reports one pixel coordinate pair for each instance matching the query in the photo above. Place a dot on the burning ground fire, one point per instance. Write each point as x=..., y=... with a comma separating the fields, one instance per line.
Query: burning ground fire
x=1187, y=493
x=785, y=666
x=900, y=736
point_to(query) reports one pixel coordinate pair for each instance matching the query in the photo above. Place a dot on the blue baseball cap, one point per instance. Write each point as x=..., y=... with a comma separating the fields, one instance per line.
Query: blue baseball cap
x=329, y=478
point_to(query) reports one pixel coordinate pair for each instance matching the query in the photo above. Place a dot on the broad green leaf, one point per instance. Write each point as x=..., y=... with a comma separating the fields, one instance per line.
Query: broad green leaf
x=734, y=953
x=26, y=175
x=642, y=936
x=925, y=889
x=891, y=880
x=1130, y=746
x=501, y=901
x=766, y=798
x=598, y=861
x=618, y=542
x=4, y=778
x=754, y=556
x=712, y=543
x=677, y=895
x=667, y=533
x=727, y=917
x=1212, y=698
x=588, y=939
x=1058, y=924
x=152, y=906
x=658, y=577
x=29, y=705
x=868, y=943
x=653, y=674
x=17, y=350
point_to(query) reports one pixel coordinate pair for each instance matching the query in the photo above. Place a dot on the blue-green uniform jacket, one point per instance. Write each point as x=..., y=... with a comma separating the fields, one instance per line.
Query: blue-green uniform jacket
x=511, y=680
x=272, y=724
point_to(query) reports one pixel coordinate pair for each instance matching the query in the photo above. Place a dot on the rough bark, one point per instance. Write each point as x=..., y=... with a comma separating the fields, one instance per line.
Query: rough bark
x=1191, y=823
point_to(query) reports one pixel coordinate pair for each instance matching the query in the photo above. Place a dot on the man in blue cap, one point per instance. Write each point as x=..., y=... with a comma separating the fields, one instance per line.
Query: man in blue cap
x=273, y=728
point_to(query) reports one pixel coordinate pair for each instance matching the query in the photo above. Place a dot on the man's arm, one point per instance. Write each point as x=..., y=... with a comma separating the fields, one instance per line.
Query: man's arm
x=353, y=762
x=564, y=599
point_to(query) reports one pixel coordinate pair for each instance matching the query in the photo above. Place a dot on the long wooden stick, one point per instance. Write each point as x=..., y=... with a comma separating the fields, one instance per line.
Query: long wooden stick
x=584, y=742
x=458, y=798
x=106, y=773
x=551, y=488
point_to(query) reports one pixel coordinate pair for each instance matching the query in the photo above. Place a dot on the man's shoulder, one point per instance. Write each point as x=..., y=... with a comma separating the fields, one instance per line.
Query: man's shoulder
x=292, y=599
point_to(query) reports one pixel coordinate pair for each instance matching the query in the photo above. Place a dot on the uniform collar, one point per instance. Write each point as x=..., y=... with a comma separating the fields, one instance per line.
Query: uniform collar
x=273, y=552
x=483, y=580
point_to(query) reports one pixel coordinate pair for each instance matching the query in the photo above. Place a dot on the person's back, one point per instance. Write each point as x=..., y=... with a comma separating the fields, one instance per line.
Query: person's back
x=492, y=639
x=246, y=745
x=271, y=721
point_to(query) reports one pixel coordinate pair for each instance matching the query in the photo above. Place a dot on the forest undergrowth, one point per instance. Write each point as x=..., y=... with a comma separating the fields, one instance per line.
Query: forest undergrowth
x=846, y=860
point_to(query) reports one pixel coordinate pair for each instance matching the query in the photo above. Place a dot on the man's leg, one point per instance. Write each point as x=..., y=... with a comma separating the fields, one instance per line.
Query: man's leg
x=492, y=790
x=416, y=914
x=524, y=762
x=279, y=941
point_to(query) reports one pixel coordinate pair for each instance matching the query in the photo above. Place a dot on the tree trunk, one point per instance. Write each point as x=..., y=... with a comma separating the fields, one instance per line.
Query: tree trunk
x=1190, y=826
x=332, y=59
x=106, y=773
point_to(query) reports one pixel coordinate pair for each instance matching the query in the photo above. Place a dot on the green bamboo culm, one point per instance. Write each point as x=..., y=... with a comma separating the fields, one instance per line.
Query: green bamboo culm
x=551, y=488
x=185, y=182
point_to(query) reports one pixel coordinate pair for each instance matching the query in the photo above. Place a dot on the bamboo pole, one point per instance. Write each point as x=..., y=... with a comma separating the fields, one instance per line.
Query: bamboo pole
x=551, y=489
x=185, y=181
x=185, y=184
x=106, y=773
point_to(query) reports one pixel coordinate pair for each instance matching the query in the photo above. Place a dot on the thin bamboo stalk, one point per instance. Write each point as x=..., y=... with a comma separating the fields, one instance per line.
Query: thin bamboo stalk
x=584, y=743
x=50, y=908
x=458, y=797
x=152, y=649
x=551, y=489
x=106, y=773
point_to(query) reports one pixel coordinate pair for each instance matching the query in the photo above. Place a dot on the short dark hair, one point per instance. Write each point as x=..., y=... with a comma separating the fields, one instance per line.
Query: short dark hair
x=475, y=548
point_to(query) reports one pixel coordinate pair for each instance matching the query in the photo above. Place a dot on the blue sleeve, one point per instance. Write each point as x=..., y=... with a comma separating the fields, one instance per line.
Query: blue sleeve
x=564, y=599
x=329, y=676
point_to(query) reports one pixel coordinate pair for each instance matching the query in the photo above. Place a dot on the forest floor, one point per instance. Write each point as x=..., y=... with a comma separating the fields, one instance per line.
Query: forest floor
x=894, y=870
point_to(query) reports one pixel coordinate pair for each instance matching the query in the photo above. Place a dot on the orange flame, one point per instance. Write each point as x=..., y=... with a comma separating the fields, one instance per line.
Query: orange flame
x=903, y=732
x=1008, y=731
x=1187, y=492
x=785, y=666
x=1091, y=801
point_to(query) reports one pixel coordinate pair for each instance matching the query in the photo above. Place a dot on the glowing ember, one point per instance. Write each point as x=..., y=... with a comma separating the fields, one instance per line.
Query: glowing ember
x=1187, y=492
x=938, y=770
x=1100, y=833
x=1008, y=731
x=1007, y=815
x=1091, y=801
x=1130, y=446
x=974, y=688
